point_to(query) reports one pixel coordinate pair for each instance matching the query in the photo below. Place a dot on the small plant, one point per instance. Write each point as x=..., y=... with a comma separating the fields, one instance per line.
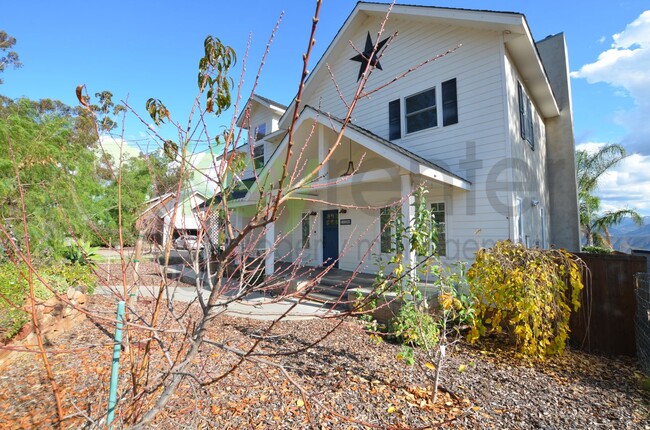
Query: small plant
x=527, y=294
x=414, y=326
x=81, y=253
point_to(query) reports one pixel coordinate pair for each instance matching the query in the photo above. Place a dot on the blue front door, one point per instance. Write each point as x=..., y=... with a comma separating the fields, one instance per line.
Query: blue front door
x=331, y=238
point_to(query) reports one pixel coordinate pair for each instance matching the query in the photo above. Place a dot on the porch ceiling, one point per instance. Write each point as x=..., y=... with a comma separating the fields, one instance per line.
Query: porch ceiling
x=397, y=155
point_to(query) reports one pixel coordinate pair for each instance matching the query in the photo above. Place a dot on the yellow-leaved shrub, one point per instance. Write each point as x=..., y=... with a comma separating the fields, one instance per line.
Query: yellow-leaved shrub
x=526, y=293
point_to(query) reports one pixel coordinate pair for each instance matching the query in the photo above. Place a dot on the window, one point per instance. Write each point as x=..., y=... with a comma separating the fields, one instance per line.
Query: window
x=306, y=230
x=258, y=156
x=519, y=216
x=421, y=112
x=438, y=213
x=526, y=128
x=260, y=131
x=385, y=224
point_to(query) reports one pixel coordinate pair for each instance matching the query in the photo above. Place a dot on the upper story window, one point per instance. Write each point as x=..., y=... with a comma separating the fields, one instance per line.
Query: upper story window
x=421, y=110
x=260, y=131
x=526, y=128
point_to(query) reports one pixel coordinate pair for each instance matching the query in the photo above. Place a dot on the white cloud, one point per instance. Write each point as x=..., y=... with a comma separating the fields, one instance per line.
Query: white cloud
x=626, y=185
x=625, y=66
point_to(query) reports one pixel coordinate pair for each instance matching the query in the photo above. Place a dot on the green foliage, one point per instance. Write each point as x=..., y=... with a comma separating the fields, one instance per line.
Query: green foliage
x=48, y=148
x=590, y=167
x=14, y=289
x=414, y=326
x=12, y=298
x=406, y=355
x=596, y=250
x=527, y=294
x=213, y=74
x=8, y=57
x=60, y=277
x=81, y=253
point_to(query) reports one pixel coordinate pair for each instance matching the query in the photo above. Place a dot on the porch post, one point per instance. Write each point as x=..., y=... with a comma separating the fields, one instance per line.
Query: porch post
x=322, y=150
x=408, y=215
x=269, y=263
x=167, y=230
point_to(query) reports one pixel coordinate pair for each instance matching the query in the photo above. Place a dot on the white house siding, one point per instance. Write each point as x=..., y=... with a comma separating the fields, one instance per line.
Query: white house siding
x=480, y=133
x=528, y=167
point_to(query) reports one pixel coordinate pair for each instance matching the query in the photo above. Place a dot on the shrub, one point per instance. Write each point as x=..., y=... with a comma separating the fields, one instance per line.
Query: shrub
x=60, y=277
x=414, y=326
x=527, y=294
x=596, y=250
x=12, y=298
x=14, y=290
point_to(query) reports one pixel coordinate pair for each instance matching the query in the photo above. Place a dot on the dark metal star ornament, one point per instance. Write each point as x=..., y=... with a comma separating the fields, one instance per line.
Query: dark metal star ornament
x=367, y=56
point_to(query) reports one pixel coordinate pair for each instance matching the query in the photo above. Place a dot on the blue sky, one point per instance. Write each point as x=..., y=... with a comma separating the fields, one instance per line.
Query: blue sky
x=142, y=49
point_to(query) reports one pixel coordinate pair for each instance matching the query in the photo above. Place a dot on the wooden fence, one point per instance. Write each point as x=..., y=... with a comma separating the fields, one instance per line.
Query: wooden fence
x=605, y=321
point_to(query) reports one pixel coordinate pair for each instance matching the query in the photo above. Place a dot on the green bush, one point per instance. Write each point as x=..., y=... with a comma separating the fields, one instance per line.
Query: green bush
x=414, y=326
x=14, y=290
x=527, y=294
x=60, y=277
x=596, y=250
x=12, y=297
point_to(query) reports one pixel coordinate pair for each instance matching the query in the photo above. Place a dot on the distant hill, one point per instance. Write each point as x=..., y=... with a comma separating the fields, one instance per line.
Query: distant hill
x=627, y=235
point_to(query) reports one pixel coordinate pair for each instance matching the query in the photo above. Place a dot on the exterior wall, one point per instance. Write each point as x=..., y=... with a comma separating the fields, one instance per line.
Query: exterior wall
x=527, y=167
x=484, y=147
x=565, y=230
x=474, y=148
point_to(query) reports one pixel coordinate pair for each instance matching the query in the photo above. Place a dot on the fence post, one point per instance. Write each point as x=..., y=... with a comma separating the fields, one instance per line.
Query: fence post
x=642, y=320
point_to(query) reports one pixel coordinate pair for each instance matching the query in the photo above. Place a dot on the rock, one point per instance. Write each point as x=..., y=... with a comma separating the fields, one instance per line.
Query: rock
x=79, y=298
x=51, y=305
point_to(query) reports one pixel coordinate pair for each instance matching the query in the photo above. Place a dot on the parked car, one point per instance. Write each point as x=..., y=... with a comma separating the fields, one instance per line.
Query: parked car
x=189, y=242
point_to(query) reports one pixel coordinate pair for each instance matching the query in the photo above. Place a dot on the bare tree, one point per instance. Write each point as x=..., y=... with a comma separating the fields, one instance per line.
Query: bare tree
x=165, y=339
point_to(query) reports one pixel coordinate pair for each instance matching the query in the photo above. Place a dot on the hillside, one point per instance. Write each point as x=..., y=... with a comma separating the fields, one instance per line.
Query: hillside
x=627, y=235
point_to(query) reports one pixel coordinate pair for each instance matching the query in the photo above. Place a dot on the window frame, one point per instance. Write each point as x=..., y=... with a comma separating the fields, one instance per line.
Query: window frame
x=386, y=233
x=258, y=156
x=306, y=223
x=441, y=250
x=426, y=109
x=445, y=107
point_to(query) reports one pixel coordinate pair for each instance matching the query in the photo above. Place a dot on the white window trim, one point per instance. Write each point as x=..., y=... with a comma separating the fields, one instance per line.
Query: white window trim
x=446, y=227
x=405, y=131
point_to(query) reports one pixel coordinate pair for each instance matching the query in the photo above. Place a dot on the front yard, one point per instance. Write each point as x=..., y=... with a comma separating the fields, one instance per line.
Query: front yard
x=347, y=381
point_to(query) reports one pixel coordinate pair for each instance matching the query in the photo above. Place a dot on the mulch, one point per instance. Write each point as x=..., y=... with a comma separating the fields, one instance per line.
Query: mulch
x=347, y=381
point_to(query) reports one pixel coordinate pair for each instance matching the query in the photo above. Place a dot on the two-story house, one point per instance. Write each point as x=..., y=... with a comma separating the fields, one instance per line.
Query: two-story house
x=487, y=129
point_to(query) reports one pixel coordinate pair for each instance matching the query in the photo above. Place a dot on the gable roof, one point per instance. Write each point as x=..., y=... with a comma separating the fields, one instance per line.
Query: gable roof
x=518, y=40
x=263, y=101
